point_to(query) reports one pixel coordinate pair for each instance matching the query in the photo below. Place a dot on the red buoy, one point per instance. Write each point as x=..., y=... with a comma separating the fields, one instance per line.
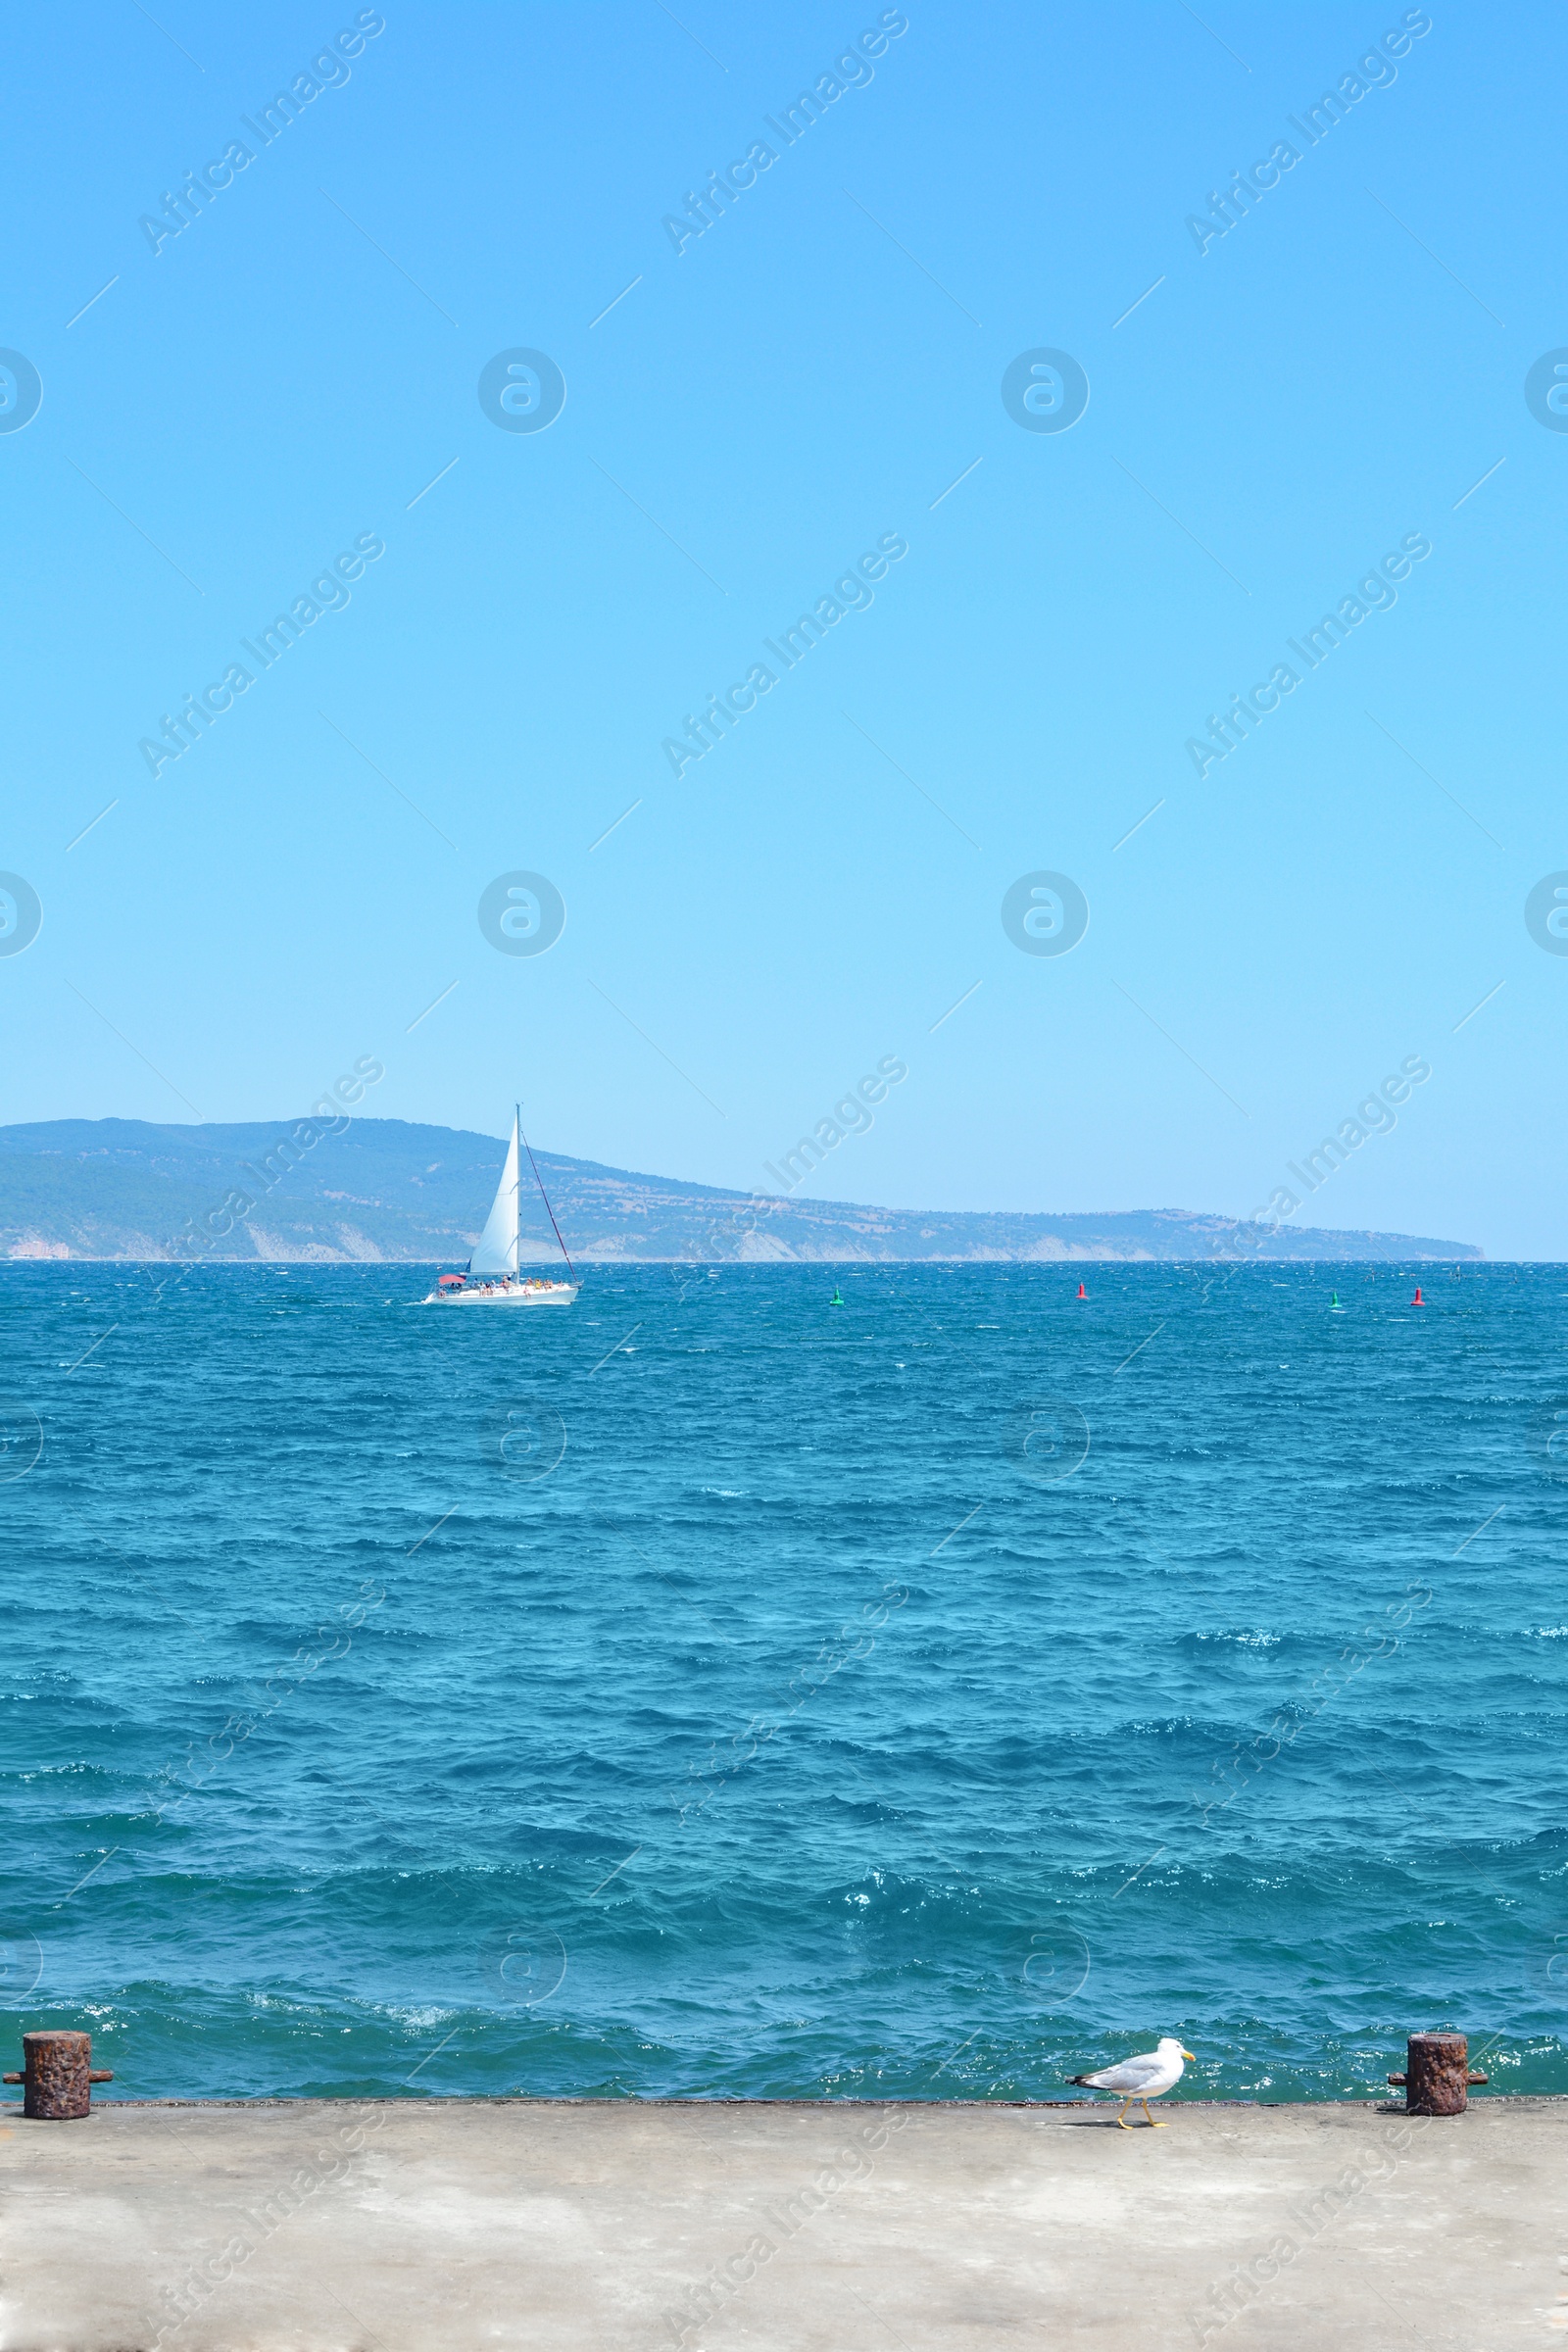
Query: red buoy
x=1082, y=1292
x=1418, y=1300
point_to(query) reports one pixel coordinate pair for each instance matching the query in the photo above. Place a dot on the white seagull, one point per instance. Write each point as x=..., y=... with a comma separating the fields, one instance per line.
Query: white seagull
x=1142, y=2079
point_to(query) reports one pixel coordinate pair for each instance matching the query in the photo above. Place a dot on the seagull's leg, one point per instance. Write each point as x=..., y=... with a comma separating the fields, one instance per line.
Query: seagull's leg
x=1122, y=2118
x=1153, y=2121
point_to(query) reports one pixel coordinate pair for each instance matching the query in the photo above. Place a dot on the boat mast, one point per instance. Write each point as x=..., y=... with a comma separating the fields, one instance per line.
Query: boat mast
x=544, y=1195
x=517, y=1192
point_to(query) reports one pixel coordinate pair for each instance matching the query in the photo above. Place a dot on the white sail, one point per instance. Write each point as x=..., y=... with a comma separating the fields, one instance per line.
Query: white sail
x=495, y=1250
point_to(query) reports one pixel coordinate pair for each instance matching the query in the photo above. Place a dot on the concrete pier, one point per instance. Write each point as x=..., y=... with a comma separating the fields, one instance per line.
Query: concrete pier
x=397, y=2226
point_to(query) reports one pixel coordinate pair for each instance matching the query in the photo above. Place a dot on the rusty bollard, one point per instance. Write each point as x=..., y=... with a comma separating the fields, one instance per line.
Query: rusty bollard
x=59, y=2069
x=1437, y=2074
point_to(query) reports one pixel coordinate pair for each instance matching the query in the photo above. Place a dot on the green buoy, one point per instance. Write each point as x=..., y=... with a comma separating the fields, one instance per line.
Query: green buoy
x=837, y=1299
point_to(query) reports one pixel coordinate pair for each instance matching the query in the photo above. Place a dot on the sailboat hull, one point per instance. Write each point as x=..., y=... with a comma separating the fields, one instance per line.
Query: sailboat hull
x=551, y=1293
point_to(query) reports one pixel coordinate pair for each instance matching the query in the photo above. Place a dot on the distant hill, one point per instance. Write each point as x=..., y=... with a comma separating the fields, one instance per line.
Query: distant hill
x=386, y=1188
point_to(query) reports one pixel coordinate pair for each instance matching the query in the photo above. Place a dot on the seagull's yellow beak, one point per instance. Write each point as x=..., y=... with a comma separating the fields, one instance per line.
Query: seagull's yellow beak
x=1189, y=2057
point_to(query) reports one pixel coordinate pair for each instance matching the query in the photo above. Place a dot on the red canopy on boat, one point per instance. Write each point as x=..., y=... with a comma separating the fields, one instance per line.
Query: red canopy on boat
x=444, y=1279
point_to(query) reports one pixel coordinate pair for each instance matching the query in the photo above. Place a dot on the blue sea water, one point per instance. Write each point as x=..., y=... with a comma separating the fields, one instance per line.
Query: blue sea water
x=712, y=1689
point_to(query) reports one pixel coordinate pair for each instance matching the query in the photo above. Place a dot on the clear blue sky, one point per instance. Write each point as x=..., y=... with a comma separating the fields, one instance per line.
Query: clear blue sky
x=806, y=377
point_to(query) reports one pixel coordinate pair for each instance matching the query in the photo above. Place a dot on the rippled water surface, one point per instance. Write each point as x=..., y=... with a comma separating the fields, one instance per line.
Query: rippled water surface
x=799, y=1727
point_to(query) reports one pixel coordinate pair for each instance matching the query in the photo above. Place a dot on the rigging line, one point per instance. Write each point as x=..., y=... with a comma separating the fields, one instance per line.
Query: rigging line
x=544, y=1198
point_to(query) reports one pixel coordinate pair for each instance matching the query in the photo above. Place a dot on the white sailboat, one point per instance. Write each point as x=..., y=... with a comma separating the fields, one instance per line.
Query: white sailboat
x=494, y=1276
